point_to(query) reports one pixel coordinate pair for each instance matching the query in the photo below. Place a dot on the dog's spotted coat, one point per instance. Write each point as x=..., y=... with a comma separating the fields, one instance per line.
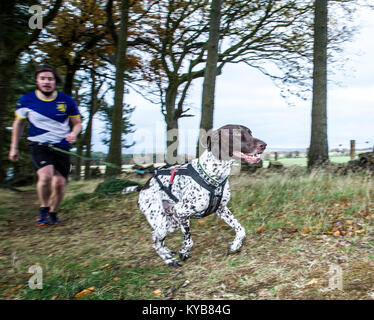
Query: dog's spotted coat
x=165, y=216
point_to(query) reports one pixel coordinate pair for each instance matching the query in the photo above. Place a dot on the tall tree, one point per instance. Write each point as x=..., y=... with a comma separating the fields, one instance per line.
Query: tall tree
x=94, y=104
x=115, y=147
x=15, y=38
x=75, y=40
x=318, y=151
x=255, y=32
x=274, y=36
x=209, y=85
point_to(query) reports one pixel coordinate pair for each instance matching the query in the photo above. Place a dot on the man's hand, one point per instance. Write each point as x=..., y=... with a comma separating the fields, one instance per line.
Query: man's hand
x=71, y=137
x=13, y=155
x=17, y=129
x=76, y=129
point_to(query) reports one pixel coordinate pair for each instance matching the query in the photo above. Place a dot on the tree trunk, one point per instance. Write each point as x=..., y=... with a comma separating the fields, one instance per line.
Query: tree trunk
x=78, y=160
x=172, y=141
x=171, y=119
x=115, y=147
x=69, y=80
x=318, y=150
x=7, y=68
x=207, y=105
x=88, y=132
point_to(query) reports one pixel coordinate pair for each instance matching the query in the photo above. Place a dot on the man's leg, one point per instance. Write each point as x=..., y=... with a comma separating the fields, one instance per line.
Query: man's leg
x=58, y=186
x=43, y=189
x=44, y=186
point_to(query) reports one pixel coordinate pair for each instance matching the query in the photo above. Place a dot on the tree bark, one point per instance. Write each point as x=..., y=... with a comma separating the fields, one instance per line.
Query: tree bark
x=171, y=119
x=209, y=85
x=88, y=132
x=318, y=150
x=115, y=147
x=7, y=68
x=69, y=80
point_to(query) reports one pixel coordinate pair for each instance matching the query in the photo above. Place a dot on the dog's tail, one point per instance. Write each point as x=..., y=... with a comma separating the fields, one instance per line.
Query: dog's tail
x=131, y=189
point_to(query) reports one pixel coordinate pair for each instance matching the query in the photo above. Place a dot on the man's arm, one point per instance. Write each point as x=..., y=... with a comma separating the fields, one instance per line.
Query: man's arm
x=17, y=130
x=76, y=129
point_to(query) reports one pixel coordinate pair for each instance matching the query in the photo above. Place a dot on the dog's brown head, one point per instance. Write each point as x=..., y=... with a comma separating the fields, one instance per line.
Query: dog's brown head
x=235, y=141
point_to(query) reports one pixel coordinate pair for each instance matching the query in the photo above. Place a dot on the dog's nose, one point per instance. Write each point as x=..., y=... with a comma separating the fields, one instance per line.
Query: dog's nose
x=262, y=145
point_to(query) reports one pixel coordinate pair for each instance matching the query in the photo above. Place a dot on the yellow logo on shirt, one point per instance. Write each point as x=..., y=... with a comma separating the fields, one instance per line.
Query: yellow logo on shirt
x=61, y=107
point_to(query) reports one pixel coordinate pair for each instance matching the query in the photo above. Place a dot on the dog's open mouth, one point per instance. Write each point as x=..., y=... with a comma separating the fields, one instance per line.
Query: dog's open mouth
x=251, y=158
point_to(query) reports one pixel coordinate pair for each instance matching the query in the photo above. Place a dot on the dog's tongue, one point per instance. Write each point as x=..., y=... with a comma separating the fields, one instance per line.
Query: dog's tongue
x=248, y=158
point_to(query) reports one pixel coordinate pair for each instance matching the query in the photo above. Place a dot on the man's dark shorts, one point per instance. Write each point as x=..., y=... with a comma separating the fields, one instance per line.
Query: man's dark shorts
x=43, y=155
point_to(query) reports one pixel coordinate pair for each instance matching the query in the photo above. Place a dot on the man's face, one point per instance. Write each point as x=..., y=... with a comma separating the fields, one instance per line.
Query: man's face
x=46, y=82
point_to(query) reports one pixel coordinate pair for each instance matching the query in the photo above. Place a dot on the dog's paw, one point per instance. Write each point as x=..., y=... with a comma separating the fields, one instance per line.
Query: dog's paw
x=174, y=263
x=184, y=256
x=233, y=248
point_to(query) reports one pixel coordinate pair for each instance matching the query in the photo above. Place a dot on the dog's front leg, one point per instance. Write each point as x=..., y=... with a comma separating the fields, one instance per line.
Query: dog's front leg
x=225, y=214
x=184, y=252
x=165, y=253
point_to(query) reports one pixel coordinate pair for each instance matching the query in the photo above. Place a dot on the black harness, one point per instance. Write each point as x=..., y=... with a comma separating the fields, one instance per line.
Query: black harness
x=214, y=187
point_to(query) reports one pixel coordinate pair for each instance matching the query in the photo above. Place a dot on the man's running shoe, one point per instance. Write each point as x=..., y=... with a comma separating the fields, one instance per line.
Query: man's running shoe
x=43, y=216
x=53, y=219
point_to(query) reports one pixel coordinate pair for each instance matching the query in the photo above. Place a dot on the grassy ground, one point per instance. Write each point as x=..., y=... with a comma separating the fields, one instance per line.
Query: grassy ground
x=298, y=226
x=303, y=161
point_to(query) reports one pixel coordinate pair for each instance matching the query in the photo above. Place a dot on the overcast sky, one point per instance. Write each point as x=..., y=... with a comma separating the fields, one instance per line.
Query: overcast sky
x=245, y=96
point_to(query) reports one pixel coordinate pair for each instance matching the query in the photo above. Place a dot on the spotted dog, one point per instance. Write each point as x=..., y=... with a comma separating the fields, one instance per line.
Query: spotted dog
x=176, y=194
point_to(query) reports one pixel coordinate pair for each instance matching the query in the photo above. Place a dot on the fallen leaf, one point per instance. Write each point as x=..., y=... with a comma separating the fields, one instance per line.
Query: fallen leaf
x=291, y=230
x=20, y=286
x=311, y=283
x=157, y=292
x=306, y=230
x=129, y=228
x=116, y=279
x=260, y=229
x=336, y=233
x=186, y=283
x=107, y=266
x=201, y=222
x=85, y=292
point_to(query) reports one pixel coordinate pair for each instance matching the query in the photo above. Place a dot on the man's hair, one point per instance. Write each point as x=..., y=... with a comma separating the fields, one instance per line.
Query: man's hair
x=47, y=68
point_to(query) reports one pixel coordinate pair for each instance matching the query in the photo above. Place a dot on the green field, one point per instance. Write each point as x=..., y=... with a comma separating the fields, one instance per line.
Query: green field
x=303, y=161
x=297, y=226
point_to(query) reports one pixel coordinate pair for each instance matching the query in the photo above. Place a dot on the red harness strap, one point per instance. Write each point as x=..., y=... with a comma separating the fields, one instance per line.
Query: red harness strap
x=173, y=174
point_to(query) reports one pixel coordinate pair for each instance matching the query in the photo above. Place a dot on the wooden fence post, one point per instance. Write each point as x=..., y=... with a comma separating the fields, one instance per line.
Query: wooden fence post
x=353, y=149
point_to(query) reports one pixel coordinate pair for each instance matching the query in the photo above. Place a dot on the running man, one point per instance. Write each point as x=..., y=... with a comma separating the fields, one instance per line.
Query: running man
x=48, y=112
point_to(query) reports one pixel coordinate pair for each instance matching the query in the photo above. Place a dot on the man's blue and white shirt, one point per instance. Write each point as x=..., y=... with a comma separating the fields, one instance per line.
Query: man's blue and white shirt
x=49, y=119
